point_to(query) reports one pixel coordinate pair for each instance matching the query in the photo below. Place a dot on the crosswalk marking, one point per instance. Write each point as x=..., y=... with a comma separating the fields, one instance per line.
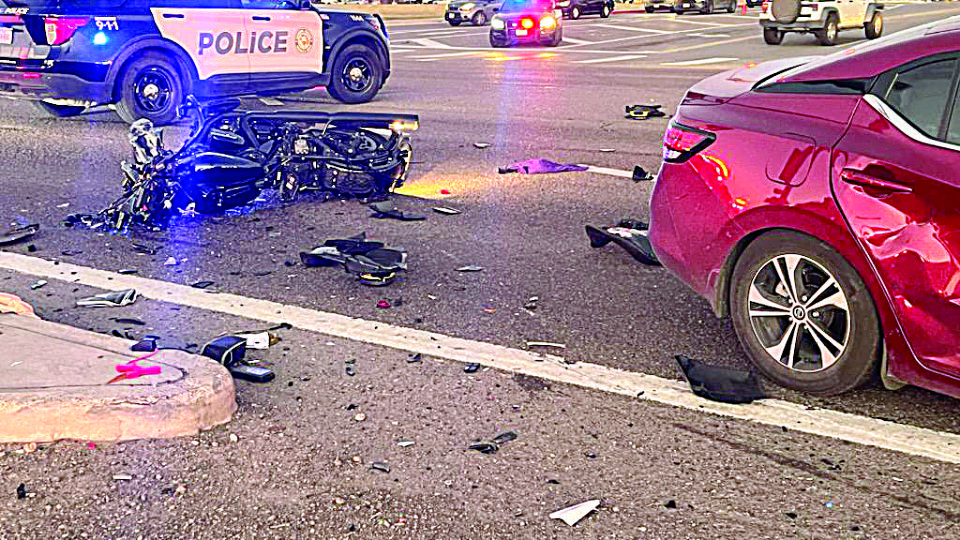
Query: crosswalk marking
x=710, y=35
x=431, y=43
x=689, y=21
x=577, y=41
x=701, y=62
x=446, y=55
x=610, y=59
x=632, y=28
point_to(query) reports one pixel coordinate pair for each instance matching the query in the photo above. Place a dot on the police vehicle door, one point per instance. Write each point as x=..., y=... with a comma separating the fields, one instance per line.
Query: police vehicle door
x=288, y=39
x=213, y=33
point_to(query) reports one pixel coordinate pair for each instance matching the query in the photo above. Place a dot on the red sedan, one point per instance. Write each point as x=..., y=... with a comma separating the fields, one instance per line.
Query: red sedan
x=817, y=201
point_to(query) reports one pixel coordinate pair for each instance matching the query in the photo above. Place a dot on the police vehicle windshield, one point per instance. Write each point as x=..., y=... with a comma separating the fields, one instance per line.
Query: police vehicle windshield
x=520, y=6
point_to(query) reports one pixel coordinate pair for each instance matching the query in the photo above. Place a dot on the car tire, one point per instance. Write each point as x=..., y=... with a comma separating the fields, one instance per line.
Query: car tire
x=772, y=36
x=827, y=36
x=57, y=111
x=733, y=6
x=649, y=10
x=150, y=87
x=575, y=12
x=874, y=28
x=479, y=19
x=496, y=44
x=356, y=75
x=605, y=11
x=678, y=11
x=830, y=350
x=557, y=39
x=707, y=8
x=454, y=23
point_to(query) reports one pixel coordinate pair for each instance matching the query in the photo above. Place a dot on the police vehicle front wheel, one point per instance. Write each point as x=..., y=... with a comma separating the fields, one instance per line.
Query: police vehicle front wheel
x=150, y=87
x=57, y=111
x=356, y=75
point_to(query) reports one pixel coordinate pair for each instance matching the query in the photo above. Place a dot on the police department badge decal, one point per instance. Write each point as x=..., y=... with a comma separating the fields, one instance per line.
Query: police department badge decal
x=304, y=40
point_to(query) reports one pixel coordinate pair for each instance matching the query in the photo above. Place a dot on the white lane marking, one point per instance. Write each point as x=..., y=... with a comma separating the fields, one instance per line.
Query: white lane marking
x=610, y=59
x=577, y=41
x=701, y=62
x=883, y=434
x=679, y=32
x=429, y=43
x=691, y=21
x=632, y=28
x=609, y=172
x=413, y=31
x=822, y=422
x=710, y=35
x=443, y=33
x=446, y=55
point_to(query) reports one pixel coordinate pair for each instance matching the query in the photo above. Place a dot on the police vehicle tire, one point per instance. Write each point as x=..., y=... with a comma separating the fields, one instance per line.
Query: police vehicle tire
x=496, y=43
x=361, y=88
x=575, y=12
x=58, y=111
x=150, y=87
x=454, y=23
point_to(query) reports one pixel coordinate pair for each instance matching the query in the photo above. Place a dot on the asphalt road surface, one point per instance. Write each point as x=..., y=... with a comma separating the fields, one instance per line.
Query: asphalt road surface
x=728, y=478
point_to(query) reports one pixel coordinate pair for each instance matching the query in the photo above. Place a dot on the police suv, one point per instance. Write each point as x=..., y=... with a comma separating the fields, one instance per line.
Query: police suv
x=144, y=56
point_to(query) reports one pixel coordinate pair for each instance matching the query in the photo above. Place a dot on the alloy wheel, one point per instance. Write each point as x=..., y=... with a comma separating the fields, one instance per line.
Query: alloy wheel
x=356, y=75
x=799, y=313
x=153, y=90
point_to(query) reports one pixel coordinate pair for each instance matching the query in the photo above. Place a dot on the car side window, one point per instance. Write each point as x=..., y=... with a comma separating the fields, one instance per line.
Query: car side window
x=269, y=4
x=921, y=94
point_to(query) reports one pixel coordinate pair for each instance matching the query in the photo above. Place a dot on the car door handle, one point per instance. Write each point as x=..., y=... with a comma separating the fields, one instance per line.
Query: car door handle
x=260, y=18
x=173, y=16
x=860, y=178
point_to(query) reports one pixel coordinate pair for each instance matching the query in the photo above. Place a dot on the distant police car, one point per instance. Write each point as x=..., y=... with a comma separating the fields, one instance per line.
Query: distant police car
x=146, y=55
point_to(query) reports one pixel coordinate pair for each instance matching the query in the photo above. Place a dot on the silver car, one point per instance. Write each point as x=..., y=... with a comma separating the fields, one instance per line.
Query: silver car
x=476, y=12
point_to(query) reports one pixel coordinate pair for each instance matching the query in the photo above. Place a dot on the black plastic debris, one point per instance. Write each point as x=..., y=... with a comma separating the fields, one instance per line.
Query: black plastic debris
x=641, y=175
x=670, y=504
x=381, y=466
x=540, y=166
x=201, y=284
x=122, y=334
x=18, y=234
x=471, y=368
x=493, y=445
x=146, y=250
x=372, y=262
x=350, y=367
x=110, y=299
x=386, y=209
x=127, y=271
x=716, y=383
x=446, y=210
x=71, y=252
x=128, y=320
x=791, y=515
x=230, y=351
x=414, y=358
x=32, y=248
x=470, y=268
x=22, y=491
x=644, y=112
x=144, y=345
x=630, y=235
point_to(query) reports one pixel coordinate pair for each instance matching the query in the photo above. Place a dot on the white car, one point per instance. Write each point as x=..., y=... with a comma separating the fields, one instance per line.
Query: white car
x=823, y=18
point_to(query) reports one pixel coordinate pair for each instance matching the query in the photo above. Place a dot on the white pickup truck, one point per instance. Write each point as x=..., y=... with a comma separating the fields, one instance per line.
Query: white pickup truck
x=823, y=18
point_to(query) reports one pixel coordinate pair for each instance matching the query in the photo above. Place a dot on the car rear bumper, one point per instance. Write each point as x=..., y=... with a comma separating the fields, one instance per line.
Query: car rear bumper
x=804, y=26
x=689, y=5
x=53, y=86
x=458, y=16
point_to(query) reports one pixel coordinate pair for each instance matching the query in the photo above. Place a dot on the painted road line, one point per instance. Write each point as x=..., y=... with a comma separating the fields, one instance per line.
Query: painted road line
x=692, y=21
x=679, y=32
x=429, y=43
x=577, y=41
x=447, y=55
x=610, y=59
x=710, y=35
x=822, y=422
x=620, y=173
x=701, y=62
x=705, y=45
x=632, y=28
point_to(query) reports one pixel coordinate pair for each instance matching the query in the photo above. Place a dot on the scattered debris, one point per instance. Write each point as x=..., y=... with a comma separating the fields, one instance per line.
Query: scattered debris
x=445, y=191
x=30, y=448
x=144, y=345
x=64, y=205
x=383, y=304
x=445, y=210
x=386, y=209
x=727, y=385
x=630, y=235
x=670, y=504
x=471, y=368
x=470, y=268
x=350, y=366
x=481, y=145
x=360, y=416
x=230, y=351
x=71, y=252
x=546, y=344
x=540, y=166
x=371, y=262
x=573, y=514
x=110, y=299
x=18, y=234
x=260, y=340
x=791, y=515
x=22, y=491
x=127, y=271
x=641, y=175
x=493, y=445
x=531, y=303
x=644, y=112
x=201, y=284
x=381, y=466
x=403, y=443
x=145, y=250
x=122, y=477
x=171, y=261
x=590, y=454
x=234, y=438
x=414, y=358
x=37, y=284
x=128, y=320
x=608, y=150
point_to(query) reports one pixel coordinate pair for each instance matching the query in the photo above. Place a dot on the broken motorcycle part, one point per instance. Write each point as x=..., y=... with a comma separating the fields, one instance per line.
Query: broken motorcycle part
x=18, y=234
x=628, y=234
x=110, y=299
x=716, y=383
x=231, y=156
x=540, y=166
x=386, y=209
x=644, y=112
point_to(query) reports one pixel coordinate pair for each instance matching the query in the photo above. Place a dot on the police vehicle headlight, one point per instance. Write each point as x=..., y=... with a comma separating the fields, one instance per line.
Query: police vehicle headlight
x=497, y=24
x=548, y=22
x=468, y=6
x=563, y=3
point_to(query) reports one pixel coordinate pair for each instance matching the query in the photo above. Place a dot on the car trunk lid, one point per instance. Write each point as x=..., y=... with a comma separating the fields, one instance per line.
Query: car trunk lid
x=725, y=86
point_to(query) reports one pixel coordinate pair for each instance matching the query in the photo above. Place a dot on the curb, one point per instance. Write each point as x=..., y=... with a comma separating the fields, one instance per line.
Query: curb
x=191, y=393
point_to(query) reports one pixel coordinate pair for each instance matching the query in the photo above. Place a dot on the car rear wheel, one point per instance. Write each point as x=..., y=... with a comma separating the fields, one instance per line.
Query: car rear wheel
x=649, y=10
x=803, y=315
x=356, y=75
x=479, y=19
x=58, y=111
x=150, y=87
x=605, y=11
x=874, y=28
x=575, y=12
x=828, y=34
x=772, y=36
x=707, y=7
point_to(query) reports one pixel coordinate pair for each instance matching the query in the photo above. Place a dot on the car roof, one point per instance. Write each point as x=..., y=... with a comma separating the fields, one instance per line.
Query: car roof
x=875, y=57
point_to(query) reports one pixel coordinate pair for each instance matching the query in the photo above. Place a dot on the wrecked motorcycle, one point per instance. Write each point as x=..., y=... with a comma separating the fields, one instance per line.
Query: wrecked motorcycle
x=231, y=156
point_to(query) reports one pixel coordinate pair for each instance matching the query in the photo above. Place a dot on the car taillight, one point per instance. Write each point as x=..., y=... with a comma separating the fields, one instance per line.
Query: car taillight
x=59, y=30
x=548, y=22
x=764, y=6
x=526, y=23
x=680, y=142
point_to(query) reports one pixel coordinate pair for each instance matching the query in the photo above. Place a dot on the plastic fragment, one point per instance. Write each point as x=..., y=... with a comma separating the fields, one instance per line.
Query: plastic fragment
x=381, y=466
x=201, y=284
x=470, y=268
x=110, y=299
x=573, y=514
x=38, y=284
x=471, y=368
x=403, y=443
x=22, y=491
x=546, y=344
x=446, y=210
